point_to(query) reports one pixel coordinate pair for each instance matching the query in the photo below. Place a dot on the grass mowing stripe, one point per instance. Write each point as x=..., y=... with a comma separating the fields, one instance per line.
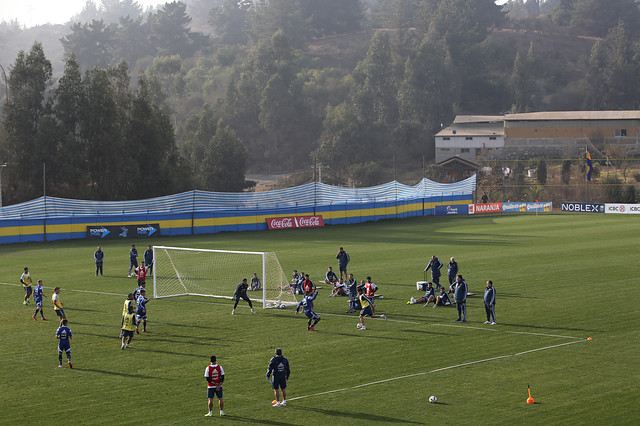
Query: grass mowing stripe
x=435, y=371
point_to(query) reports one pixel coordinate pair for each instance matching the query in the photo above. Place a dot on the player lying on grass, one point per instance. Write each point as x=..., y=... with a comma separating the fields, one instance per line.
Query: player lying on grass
x=307, y=303
x=367, y=309
x=339, y=289
x=429, y=296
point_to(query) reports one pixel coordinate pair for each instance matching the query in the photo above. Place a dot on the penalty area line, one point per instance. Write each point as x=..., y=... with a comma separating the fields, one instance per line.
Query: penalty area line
x=435, y=371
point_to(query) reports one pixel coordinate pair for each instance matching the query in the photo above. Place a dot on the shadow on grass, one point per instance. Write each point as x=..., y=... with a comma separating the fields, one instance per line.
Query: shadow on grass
x=538, y=327
x=427, y=332
x=82, y=310
x=250, y=420
x=116, y=373
x=169, y=352
x=363, y=334
x=519, y=296
x=357, y=416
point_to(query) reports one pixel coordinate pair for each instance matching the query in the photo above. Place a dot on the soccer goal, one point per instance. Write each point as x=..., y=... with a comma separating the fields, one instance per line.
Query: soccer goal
x=181, y=271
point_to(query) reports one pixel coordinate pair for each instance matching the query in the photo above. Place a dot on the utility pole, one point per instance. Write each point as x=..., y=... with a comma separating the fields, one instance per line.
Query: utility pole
x=3, y=165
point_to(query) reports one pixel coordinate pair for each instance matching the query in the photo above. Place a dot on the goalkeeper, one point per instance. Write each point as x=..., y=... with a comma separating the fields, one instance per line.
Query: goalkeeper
x=241, y=293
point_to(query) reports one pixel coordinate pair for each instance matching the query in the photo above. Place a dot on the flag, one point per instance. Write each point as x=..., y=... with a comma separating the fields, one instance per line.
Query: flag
x=589, y=165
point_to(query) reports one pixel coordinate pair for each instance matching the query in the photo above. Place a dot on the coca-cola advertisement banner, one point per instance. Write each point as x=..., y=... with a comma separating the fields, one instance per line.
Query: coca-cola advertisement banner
x=485, y=208
x=294, y=222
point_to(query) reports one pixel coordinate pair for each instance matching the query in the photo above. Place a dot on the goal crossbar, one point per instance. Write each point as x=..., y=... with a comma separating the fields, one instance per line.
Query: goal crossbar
x=185, y=271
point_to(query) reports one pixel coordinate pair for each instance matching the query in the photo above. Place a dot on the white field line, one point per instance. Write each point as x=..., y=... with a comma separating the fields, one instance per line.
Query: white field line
x=434, y=371
x=334, y=315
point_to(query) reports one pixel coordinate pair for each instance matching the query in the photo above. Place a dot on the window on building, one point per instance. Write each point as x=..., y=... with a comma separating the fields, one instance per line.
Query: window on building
x=468, y=138
x=492, y=138
x=445, y=149
x=621, y=132
x=463, y=150
x=478, y=151
x=446, y=139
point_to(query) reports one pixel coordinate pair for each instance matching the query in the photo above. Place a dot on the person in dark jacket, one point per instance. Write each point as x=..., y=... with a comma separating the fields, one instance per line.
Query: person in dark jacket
x=343, y=260
x=279, y=366
x=460, y=296
x=98, y=256
x=490, y=303
x=148, y=259
x=435, y=265
x=452, y=270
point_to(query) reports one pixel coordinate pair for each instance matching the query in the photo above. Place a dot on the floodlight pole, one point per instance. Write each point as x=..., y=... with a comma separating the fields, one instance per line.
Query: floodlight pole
x=3, y=165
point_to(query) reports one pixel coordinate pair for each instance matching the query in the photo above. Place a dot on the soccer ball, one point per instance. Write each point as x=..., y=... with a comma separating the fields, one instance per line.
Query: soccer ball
x=433, y=399
x=358, y=325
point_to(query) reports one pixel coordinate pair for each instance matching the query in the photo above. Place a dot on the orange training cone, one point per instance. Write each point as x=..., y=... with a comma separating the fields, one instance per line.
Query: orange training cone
x=589, y=338
x=529, y=400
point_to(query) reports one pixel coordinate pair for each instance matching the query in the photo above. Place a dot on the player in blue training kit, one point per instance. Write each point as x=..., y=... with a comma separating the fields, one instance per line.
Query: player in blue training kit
x=307, y=303
x=141, y=313
x=38, y=294
x=279, y=366
x=133, y=259
x=63, y=334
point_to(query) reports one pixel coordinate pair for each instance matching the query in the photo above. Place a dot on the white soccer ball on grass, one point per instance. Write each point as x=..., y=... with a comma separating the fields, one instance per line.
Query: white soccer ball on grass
x=433, y=399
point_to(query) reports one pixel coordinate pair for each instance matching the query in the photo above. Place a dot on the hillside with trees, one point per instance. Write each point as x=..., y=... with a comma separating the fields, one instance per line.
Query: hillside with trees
x=125, y=103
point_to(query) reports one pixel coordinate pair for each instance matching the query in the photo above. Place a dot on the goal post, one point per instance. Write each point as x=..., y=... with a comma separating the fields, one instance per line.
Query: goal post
x=181, y=271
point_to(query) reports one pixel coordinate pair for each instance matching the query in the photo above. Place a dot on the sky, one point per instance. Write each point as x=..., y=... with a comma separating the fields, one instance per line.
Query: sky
x=38, y=12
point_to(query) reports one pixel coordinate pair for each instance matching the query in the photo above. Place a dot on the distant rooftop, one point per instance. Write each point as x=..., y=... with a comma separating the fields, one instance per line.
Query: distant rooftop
x=461, y=119
x=473, y=129
x=574, y=115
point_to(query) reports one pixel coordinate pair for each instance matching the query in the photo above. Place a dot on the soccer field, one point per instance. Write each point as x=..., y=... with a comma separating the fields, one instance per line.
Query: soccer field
x=560, y=279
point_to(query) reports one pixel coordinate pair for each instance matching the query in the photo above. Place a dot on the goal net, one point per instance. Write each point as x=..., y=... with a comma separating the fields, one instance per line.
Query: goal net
x=216, y=273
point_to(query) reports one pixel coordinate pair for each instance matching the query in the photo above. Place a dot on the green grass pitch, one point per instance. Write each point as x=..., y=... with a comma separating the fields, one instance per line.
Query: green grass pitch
x=559, y=279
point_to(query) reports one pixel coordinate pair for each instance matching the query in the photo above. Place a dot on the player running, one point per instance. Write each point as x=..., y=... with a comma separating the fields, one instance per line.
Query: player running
x=63, y=334
x=307, y=302
x=279, y=366
x=128, y=325
x=214, y=374
x=241, y=293
x=57, y=305
x=366, y=304
x=142, y=311
x=26, y=281
x=38, y=294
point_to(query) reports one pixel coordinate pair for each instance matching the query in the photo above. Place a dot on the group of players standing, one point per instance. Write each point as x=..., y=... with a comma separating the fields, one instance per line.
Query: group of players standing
x=63, y=333
x=458, y=287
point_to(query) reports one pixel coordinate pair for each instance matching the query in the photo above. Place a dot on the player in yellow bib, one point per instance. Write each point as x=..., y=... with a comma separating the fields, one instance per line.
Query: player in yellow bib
x=57, y=305
x=128, y=326
x=25, y=280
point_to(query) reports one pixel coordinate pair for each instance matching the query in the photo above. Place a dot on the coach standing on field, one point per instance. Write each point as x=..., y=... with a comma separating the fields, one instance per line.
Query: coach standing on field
x=343, y=260
x=452, y=271
x=490, y=303
x=460, y=296
x=435, y=265
x=99, y=257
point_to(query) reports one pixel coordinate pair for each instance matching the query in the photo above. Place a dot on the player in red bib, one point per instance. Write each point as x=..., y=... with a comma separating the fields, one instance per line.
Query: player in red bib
x=214, y=374
x=142, y=273
x=308, y=286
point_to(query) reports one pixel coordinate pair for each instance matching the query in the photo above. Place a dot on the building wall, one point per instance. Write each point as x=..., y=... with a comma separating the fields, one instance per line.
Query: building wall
x=571, y=129
x=474, y=149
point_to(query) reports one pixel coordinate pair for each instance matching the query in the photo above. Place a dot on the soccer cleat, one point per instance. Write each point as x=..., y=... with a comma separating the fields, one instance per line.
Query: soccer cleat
x=44, y=319
x=233, y=312
x=221, y=413
x=252, y=311
x=277, y=404
x=494, y=323
x=34, y=317
x=413, y=300
x=208, y=415
x=312, y=329
x=122, y=347
x=363, y=328
x=383, y=316
x=60, y=366
x=284, y=403
x=464, y=320
x=137, y=331
x=487, y=322
x=70, y=365
x=409, y=302
x=144, y=331
x=127, y=346
x=458, y=320
x=24, y=303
